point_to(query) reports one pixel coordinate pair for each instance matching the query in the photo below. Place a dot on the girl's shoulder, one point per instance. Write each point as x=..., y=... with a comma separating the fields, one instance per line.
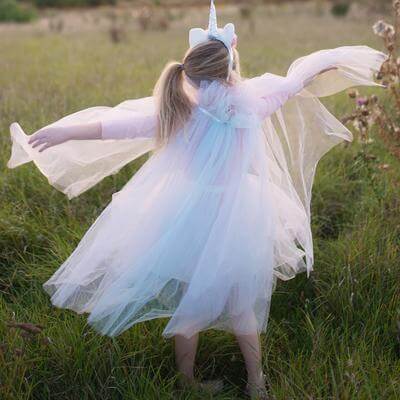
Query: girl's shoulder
x=263, y=85
x=216, y=92
x=224, y=101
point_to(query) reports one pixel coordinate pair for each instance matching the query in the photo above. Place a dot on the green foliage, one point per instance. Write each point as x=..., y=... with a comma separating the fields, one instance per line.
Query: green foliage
x=12, y=11
x=340, y=9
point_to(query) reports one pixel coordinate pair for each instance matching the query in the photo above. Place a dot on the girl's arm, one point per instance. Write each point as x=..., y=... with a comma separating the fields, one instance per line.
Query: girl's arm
x=127, y=125
x=51, y=136
x=352, y=65
x=276, y=90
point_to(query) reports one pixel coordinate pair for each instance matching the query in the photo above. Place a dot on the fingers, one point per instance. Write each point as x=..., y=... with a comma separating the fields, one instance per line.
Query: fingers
x=35, y=136
x=44, y=143
x=38, y=142
x=46, y=146
x=37, y=139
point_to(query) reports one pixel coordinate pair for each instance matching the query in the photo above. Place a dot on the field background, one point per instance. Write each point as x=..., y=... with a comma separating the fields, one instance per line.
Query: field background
x=333, y=336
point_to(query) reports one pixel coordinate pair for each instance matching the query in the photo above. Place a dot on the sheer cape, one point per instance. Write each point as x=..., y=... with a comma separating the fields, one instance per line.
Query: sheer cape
x=297, y=134
x=207, y=225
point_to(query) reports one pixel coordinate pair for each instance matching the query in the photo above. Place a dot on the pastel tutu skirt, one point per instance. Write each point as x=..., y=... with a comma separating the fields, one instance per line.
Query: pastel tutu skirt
x=193, y=236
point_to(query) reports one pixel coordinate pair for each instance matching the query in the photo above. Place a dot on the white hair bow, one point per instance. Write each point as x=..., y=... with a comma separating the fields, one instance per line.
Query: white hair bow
x=226, y=34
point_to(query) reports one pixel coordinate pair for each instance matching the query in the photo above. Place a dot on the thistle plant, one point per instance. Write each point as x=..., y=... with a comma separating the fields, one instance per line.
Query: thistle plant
x=373, y=112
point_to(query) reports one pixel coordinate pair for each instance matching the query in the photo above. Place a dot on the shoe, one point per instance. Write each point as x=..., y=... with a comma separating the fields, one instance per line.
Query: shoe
x=211, y=386
x=258, y=392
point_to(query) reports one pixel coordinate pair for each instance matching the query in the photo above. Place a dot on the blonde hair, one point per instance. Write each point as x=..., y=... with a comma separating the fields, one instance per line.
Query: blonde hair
x=207, y=61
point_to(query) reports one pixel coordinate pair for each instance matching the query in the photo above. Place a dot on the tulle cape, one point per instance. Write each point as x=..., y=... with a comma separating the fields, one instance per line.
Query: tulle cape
x=240, y=192
x=77, y=165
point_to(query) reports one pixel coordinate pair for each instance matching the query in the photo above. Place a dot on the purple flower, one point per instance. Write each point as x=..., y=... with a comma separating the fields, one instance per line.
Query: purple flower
x=362, y=101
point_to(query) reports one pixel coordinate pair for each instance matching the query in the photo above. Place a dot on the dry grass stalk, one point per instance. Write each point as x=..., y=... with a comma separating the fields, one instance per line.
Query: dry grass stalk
x=369, y=110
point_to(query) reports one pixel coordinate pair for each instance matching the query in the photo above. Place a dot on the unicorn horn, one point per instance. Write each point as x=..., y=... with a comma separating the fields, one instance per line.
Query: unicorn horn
x=212, y=22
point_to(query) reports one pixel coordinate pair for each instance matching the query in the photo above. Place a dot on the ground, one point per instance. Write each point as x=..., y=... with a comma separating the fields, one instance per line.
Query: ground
x=332, y=336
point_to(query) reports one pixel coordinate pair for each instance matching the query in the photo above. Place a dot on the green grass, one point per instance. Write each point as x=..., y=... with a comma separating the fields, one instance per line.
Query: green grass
x=332, y=336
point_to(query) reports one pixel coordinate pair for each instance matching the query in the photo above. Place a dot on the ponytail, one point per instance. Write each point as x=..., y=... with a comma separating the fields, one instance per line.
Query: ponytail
x=207, y=61
x=174, y=105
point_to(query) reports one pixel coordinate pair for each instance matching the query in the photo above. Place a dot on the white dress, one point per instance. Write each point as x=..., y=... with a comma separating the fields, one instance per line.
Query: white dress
x=203, y=230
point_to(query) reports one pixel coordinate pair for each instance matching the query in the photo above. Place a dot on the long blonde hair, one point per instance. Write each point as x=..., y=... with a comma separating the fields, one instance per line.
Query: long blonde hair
x=207, y=61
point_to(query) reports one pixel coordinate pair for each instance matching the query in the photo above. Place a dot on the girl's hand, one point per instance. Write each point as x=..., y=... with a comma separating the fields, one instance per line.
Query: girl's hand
x=48, y=137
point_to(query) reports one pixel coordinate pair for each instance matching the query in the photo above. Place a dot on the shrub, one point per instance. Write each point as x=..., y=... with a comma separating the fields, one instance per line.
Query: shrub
x=370, y=110
x=340, y=9
x=12, y=11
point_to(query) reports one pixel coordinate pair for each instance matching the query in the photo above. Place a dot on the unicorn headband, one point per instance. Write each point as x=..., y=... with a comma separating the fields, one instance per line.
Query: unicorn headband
x=226, y=34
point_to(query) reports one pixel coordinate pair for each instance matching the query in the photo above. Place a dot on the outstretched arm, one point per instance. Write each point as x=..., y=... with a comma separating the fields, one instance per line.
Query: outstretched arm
x=52, y=135
x=353, y=65
x=128, y=125
x=275, y=90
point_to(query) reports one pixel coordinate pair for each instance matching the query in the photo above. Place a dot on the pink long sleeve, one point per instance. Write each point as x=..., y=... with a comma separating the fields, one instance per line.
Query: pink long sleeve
x=323, y=73
x=128, y=124
x=273, y=91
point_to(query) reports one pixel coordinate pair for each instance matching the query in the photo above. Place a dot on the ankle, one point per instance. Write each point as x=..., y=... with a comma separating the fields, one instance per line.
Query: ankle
x=256, y=379
x=187, y=376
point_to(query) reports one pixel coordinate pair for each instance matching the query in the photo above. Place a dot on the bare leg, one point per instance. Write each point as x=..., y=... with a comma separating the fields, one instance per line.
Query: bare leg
x=251, y=350
x=185, y=354
x=250, y=347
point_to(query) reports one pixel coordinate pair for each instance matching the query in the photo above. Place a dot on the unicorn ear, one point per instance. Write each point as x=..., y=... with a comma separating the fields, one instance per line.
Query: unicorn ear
x=197, y=36
x=229, y=33
x=229, y=28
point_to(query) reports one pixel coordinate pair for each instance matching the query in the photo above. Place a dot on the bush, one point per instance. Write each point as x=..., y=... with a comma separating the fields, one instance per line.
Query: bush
x=340, y=9
x=11, y=11
x=371, y=111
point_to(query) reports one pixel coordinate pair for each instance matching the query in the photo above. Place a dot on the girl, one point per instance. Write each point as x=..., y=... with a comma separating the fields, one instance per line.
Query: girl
x=221, y=210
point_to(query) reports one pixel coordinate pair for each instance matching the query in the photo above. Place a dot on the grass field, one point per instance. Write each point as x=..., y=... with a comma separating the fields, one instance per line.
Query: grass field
x=332, y=336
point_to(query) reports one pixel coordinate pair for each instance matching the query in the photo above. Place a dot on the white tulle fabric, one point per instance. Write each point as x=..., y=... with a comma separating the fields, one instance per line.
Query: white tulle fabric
x=203, y=230
x=76, y=165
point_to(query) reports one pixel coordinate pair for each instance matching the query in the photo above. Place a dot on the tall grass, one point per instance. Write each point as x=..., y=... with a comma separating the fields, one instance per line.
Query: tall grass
x=333, y=336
